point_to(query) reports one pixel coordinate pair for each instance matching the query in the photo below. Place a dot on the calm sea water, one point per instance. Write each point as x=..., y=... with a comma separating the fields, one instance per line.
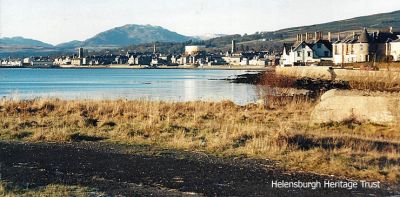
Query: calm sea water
x=170, y=85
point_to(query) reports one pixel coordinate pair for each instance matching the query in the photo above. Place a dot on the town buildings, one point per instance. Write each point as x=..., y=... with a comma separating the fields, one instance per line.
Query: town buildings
x=11, y=62
x=350, y=47
x=78, y=61
x=364, y=47
x=309, y=48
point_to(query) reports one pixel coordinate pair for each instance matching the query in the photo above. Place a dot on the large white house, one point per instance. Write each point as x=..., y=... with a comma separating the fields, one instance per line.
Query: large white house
x=308, y=51
x=364, y=47
x=395, y=49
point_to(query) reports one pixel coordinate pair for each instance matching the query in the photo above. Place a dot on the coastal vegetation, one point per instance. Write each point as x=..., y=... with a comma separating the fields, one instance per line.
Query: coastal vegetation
x=11, y=190
x=279, y=130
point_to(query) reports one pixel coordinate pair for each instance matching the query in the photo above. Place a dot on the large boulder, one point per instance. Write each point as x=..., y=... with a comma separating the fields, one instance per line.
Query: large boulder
x=338, y=107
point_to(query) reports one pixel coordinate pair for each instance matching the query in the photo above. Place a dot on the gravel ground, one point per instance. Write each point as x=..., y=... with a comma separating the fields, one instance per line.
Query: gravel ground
x=122, y=170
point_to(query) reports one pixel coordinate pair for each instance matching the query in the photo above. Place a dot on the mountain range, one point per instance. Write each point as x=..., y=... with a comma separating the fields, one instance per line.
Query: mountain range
x=373, y=22
x=129, y=35
x=117, y=37
x=22, y=42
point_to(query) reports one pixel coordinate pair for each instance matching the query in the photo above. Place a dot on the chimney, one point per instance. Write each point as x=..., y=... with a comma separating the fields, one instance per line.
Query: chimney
x=318, y=35
x=329, y=36
x=391, y=29
x=233, y=46
x=354, y=34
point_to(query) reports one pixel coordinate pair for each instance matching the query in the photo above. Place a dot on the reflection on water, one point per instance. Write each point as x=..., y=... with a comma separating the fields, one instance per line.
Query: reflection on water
x=171, y=84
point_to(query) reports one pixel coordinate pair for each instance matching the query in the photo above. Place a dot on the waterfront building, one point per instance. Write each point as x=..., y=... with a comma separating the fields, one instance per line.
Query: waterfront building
x=308, y=49
x=11, y=62
x=42, y=62
x=233, y=59
x=395, y=49
x=365, y=47
x=78, y=61
x=140, y=59
x=80, y=52
x=194, y=49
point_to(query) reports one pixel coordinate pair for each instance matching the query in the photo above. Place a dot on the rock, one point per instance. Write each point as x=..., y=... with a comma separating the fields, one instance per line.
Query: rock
x=329, y=94
x=334, y=107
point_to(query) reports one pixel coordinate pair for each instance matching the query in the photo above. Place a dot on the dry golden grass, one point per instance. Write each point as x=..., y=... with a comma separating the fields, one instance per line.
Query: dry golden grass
x=391, y=66
x=10, y=190
x=280, y=132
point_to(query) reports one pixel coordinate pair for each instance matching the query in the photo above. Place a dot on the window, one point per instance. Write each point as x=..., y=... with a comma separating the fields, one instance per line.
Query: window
x=326, y=53
x=303, y=46
x=298, y=54
x=309, y=53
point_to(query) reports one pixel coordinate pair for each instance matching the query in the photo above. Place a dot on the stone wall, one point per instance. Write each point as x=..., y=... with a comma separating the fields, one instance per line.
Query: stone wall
x=324, y=72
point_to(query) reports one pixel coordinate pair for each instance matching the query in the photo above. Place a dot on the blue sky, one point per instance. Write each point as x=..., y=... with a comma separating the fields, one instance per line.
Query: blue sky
x=57, y=21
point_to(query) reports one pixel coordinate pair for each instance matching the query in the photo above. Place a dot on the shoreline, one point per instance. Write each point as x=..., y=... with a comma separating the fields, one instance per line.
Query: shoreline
x=278, y=133
x=253, y=68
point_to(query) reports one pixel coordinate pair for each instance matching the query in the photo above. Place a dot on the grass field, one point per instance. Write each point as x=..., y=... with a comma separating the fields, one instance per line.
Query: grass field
x=279, y=132
x=12, y=190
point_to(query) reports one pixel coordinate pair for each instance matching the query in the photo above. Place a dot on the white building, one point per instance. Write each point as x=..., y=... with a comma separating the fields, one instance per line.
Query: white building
x=258, y=62
x=11, y=62
x=244, y=61
x=395, y=50
x=42, y=63
x=364, y=47
x=306, y=52
x=193, y=50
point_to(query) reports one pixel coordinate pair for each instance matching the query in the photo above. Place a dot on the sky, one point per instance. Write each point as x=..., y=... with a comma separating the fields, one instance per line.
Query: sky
x=57, y=21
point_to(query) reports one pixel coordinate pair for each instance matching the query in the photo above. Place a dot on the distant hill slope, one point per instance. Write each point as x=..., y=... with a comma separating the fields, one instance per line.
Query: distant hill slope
x=372, y=22
x=23, y=42
x=128, y=35
x=135, y=34
x=71, y=44
x=208, y=36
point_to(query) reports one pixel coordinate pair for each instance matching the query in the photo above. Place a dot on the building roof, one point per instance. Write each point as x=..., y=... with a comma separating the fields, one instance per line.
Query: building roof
x=384, y=37
x=327, y=44
x=364, y=36
x=298, y=44
x=287, y=48
x=311, y=44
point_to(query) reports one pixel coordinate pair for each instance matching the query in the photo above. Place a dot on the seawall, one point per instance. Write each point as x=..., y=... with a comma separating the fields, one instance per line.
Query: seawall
x=324, y=72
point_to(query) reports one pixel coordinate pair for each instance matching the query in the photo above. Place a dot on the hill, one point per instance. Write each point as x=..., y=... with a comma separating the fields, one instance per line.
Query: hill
x=71, y=44
x=134, y=34
x=23, y=42
x=372, y=22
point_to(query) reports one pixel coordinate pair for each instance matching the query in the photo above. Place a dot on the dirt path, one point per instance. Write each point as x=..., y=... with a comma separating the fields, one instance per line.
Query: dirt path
x=142, y=171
